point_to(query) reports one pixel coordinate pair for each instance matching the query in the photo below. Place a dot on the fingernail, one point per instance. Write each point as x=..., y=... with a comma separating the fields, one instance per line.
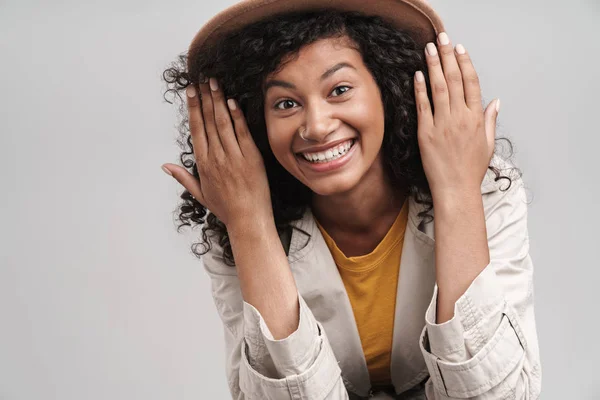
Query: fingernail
x=191, y=91
x=420, y=76
x=431, y=50
x=498, y=105
x=213, y=84
x=444, y=40
x=231, y=104
x=460, y=49
x=166, y=170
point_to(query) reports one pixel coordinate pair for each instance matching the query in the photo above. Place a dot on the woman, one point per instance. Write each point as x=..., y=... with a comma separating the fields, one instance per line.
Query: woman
x=323, y=142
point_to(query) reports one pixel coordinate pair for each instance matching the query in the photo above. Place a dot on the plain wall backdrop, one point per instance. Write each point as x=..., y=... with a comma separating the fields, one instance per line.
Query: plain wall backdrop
x=101, y=298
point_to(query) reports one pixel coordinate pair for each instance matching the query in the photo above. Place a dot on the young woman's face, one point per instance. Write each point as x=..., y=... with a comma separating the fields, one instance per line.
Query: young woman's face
x=328, y=94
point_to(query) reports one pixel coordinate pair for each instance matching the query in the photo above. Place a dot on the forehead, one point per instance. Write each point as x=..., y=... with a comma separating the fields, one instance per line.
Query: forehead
x=316, y=56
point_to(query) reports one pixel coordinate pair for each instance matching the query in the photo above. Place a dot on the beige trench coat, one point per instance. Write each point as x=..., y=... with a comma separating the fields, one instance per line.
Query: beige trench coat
x=488, y=350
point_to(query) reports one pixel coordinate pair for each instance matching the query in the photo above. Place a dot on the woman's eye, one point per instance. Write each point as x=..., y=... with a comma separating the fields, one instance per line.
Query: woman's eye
x=341, y=87
x=287, y=101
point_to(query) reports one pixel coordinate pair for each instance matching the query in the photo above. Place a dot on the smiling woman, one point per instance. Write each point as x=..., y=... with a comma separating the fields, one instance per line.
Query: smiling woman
x=319, y=177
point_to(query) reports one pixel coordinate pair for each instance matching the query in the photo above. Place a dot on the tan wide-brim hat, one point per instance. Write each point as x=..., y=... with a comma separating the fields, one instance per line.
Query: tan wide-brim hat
x=414, y=16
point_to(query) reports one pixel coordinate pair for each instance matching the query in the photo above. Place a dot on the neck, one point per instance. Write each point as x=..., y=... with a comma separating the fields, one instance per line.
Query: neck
x=362, y=210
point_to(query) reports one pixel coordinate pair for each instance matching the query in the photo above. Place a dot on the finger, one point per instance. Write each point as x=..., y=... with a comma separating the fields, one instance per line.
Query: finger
x=241, y=127
x=424, y=113
x=196, y=122
x=491, y=118
x=187, y=180
x=470, y=79
x=454, y=79
x=223, y=120
x=439, y=89
x=214, y=142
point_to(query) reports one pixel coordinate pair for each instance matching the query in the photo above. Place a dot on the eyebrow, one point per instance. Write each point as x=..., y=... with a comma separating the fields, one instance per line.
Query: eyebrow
x=326, y=74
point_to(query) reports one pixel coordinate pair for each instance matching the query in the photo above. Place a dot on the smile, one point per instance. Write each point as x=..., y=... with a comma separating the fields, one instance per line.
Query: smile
x=329, y=160
x=329, y=154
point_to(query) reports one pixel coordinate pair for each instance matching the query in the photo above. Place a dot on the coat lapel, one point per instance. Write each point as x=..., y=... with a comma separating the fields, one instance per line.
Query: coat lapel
x=415, y=288
x=321, y=286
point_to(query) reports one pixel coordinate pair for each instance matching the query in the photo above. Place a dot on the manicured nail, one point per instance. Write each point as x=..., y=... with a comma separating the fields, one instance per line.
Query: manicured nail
x=498, y=105
x=231, y=104
x=166, y=170
x=213, y=84
x=191, y=91
x=431, y=50
x=420, y=76
x=444, y=40
x=460, y=49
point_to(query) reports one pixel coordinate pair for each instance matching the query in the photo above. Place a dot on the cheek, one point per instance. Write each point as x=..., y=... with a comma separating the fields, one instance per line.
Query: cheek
x=368, y=118
x=367, y=112
x=280, y=142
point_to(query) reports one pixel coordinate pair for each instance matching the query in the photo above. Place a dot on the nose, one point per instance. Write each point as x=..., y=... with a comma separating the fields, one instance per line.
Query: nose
x=319, y=123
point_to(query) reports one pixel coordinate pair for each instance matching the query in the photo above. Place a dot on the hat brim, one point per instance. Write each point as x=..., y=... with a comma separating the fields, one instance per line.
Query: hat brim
x=416, y=17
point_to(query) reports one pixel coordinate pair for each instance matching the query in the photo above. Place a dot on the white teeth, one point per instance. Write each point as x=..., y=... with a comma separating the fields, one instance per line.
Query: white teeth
x=329, y=155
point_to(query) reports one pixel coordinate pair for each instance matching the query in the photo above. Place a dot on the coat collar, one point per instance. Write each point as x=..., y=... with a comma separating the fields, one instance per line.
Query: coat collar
x=321, y=286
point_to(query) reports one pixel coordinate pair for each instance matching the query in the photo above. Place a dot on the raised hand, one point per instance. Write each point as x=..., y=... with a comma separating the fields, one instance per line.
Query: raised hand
x=233, y=182
x=457, y=143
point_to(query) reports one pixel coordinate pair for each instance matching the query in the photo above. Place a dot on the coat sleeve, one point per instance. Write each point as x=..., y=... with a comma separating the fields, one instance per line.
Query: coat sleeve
x=489, y=349
x=300, y=366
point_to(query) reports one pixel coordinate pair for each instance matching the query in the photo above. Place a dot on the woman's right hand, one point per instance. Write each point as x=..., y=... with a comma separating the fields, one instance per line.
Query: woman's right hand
x=233, y=181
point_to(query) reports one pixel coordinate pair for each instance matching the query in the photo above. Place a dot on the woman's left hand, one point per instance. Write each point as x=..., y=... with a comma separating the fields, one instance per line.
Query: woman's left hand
x=457, y=143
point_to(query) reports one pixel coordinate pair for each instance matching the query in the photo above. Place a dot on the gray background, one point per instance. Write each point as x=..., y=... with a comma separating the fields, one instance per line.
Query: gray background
x=100, y=298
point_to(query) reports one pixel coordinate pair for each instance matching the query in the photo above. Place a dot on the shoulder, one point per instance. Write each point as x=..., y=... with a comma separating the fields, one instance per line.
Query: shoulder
x=504, y=196
x=214, y=259
x=502, y=176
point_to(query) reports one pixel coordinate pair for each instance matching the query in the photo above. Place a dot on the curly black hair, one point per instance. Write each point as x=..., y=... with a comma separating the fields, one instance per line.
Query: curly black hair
x=243, y=59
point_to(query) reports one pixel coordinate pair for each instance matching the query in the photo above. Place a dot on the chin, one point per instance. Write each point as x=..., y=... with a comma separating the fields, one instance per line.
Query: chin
x=329, y=189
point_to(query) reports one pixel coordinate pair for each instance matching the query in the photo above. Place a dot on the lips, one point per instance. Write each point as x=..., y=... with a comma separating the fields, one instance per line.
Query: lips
x=328, y=166
x=332, y=146
x=340, y=146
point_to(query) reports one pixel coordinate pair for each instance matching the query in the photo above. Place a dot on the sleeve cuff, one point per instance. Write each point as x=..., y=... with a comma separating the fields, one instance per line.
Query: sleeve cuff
x=498, y=358
x=477, y=315
x=291, y=355
x=293, y=374
x=479, y=346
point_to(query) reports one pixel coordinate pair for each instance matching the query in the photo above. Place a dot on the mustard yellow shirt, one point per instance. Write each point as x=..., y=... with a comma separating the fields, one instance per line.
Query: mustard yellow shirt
x=371, y=281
